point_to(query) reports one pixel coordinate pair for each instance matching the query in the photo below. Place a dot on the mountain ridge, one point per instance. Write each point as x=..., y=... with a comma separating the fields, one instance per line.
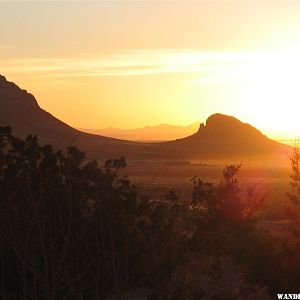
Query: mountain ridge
x=221, y=134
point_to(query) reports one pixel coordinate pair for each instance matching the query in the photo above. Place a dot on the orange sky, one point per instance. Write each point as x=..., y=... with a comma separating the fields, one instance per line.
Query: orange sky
x=135, y=63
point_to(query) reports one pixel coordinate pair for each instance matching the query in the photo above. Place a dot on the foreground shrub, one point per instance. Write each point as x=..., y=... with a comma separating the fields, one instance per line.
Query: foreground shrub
x=72, y=230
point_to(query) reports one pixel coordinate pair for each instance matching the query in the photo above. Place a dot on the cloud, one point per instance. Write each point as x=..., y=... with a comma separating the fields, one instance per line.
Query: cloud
x=206, y=67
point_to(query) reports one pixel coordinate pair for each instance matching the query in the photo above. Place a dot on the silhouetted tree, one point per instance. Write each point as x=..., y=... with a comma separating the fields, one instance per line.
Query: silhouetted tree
x=230, y=206
x=171, y=196
x=295, y=182
x=72, y=230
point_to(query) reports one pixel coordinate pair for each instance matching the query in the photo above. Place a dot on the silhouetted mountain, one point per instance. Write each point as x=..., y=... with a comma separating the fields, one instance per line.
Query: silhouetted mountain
x=20, y=110
x=162, y=132
x=221, y=134
x=224, y=134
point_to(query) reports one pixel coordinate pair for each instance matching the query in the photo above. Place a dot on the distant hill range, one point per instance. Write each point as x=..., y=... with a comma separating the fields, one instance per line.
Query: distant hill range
x=159, y=133
x=221, y=135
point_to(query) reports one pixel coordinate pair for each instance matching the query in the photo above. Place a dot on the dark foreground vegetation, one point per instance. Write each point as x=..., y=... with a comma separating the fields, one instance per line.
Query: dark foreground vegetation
x=72, y=230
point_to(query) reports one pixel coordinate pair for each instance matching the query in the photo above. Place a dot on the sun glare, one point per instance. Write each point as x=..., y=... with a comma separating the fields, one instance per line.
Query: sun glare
x=272, y=90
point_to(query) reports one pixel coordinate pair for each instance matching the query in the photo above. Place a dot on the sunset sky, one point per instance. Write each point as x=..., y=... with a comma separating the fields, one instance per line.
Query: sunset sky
x=134, y=63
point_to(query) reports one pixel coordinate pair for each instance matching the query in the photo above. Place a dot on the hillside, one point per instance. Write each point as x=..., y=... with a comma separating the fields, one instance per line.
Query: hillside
x=226, y=135
x=222, y=135
x=20, y=110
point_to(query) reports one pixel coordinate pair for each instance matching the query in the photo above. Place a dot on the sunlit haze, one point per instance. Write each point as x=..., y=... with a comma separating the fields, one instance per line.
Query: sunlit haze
x=133, y=63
